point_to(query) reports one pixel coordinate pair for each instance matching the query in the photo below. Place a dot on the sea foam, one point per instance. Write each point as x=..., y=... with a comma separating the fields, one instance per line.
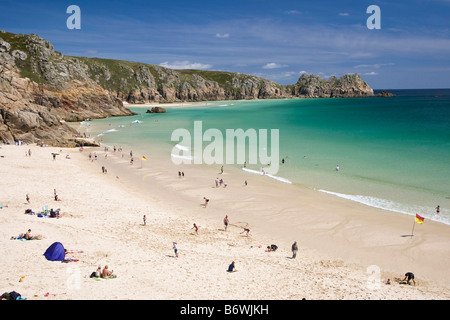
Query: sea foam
x=390, y=205
x=268, y=175
x=107, y=131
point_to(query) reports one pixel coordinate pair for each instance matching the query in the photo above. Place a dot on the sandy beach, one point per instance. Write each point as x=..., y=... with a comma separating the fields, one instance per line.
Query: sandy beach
x=346, y=250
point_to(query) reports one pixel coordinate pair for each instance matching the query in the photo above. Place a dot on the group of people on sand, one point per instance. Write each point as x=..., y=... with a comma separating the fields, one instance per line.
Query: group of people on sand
x=205, y=204
x=220, y=182
x=105, y=273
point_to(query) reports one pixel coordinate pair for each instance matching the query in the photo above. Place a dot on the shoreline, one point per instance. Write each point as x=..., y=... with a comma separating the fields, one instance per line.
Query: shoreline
x=379, y=202
x=205, y=103
x=338, y=240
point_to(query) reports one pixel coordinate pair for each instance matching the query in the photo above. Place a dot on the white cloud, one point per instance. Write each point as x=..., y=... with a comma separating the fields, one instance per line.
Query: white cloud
x=344, y=14
x=273, y=65
x=372, y=73
x=91, y=52
x=376, y=65
x=223, y=36
x=185, y=65
x=292, y=12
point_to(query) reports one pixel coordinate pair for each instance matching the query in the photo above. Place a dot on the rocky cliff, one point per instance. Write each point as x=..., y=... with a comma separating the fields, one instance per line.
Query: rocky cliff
x=41, y=89
x=349, y=85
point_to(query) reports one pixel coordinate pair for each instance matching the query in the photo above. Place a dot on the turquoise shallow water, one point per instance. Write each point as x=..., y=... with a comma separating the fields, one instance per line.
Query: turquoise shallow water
x=392, y=153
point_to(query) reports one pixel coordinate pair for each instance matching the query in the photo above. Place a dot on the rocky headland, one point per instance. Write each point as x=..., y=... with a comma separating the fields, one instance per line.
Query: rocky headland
x=41, y=89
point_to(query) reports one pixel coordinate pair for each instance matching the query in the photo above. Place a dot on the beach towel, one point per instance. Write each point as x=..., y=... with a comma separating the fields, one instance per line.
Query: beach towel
x=23, y=239
x=100, y=279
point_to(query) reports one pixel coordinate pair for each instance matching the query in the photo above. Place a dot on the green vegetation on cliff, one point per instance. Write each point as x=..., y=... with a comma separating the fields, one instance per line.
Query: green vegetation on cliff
x=140, y=82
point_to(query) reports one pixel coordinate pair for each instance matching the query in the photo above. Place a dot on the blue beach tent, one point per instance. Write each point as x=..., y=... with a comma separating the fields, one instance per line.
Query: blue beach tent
x=55, y=252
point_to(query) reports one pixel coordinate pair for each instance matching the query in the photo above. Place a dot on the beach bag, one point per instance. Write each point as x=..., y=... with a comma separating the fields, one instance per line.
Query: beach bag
x=11, y=296
x=14, y=295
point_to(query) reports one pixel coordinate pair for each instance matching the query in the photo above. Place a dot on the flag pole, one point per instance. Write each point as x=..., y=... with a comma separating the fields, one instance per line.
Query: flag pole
x=414, y=224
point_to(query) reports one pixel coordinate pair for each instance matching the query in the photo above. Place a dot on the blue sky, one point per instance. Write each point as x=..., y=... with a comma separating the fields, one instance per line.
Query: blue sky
x=278, y=40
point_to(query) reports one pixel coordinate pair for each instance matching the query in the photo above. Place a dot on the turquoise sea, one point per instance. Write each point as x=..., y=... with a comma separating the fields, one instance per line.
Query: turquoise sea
x=392, y=153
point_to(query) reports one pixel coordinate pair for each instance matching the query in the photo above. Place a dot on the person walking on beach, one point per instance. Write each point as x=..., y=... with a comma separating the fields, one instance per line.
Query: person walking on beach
x=145, y=220
x=175, y=249
x=196, y=228
x=438, y=209
x=226, y=221
x=28, y=198
x=294, y=249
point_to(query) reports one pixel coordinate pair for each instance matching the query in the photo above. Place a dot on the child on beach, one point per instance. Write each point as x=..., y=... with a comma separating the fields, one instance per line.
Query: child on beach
x=206, y=202
x=246, y=230
x=294, y=249
x=175, y=249
x=226, y=221
x=231, y=267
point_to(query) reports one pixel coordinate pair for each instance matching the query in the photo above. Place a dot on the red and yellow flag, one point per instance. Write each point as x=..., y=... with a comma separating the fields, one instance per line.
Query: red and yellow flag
x=144, y=158
x=419, y=219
